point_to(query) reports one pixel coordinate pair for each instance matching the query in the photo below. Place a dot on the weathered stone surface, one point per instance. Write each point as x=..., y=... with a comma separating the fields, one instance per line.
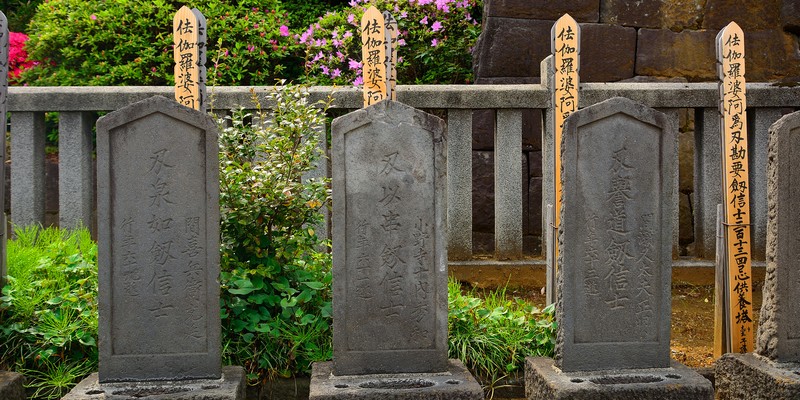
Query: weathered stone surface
x=483, y=129
x=389, y=252
x=674, y=14
x=689, y=54
x=749, y=14
x=766, y=50
x=752, y=377
x=12, y=386
x=158, y=243
x=230, y=386
x=779, y=327
x=543, y=380
x=483, y=191
x=619, y=163
x=608, y=52
x=580, y=10
x=534, y=207
x=511, y=47
x=790, y=16
x=454, y=384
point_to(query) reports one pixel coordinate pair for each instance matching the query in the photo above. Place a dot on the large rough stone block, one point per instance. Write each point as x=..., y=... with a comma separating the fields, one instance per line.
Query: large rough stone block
x=230, y=386
x=675, y=14
x=608, y=52
x=454, y=384
x=615, y=239
x=12, y=386
x=771, y=55
x=544, y=381
x=748, y=14
x=511, y=47
x=752, y=377
x=389, y=250
x=483, y=191
x=790, y=16
x=158, y=243
x=580, y=10
x=690, y=54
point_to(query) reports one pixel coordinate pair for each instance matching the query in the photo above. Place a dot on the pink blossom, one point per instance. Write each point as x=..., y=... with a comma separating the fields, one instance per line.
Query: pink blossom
x=347, y=35
x=424, y=20
x=335, y=34
x=403, y=14
x=351, y=18
x=336, y=43
x=400, y=59
x=251, y=48
x=318, y=57
x=353, y=64
x=340, y=56
x=436, y=26
x=284, y=30
x=325, y=70
x=401, y=42
x=93, y=17
x=358, y=81
x=442, y=5
x=434, y=42
x=335, y=73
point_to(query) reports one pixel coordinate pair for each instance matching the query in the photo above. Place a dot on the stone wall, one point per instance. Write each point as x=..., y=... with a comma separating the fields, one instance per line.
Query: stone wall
x=621, y=40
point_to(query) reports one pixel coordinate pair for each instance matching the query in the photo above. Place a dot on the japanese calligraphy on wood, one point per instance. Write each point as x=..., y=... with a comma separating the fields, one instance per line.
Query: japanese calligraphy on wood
x=389, y=255
x=158, y=247
x=373, y=56
x=189, y=35
x=620, y=161
x=565, y=46
x=735, y=184
x=390, y=26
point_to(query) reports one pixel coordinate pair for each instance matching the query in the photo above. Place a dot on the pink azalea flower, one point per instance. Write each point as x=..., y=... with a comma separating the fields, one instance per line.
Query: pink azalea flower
x=434, y=42
x=358, y=81
x=424, y=20
x=335, y=73
x=284, y=30
x=436, y=26
x=325, y=70
x=401, y=42
x=93, y=17
x=353, y=64
x=347, y=35
x=351, y=18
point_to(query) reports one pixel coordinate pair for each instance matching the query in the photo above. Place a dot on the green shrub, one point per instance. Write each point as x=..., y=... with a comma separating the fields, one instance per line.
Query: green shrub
x=19, y=13
x=435, y=41
x=127, y=42
x=48, y=311
x=275, y=272
x=493, y=335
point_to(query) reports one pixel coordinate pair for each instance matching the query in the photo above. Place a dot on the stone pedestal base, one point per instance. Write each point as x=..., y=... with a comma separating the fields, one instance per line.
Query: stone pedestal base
x=456, y=384
x=230, y=387
x=749, y=376
x=11, y=386
x=544, y=381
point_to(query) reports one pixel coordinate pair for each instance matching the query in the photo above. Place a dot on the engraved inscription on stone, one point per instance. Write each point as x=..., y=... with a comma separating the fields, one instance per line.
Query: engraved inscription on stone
x=159, y=242
x=616, y=241
x=389, y=259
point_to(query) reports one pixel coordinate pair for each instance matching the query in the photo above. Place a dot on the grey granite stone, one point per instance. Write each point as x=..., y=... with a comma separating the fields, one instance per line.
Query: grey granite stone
x=455, y=383
x=3, y=158
x=544, y=381
x=459, y=184
x=158, y=243
x=27, y=173
x=752, y=377
x=75, y=170
x=12, y=386
x=619, y=170
x=389, y=249
x=779, y=329
x=230, y=386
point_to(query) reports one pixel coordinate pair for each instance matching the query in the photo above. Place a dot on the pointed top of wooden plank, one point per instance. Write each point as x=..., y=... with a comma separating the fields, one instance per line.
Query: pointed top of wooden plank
x=565, y=29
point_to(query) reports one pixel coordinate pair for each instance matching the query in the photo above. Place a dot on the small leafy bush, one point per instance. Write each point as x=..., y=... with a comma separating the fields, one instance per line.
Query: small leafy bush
x=435, y=41
x=276, y=295
x=493, y=335
x=48, y=311
x=127, y=42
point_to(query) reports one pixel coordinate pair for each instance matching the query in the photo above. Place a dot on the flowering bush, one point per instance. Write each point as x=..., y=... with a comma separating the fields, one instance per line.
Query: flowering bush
x=17, y=56
x=435, y=41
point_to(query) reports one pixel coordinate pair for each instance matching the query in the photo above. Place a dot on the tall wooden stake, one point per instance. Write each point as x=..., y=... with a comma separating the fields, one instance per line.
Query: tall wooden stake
x=373, y=56
x=390, y=29
x=736, y=186
x=188, y=29
x=565, y=39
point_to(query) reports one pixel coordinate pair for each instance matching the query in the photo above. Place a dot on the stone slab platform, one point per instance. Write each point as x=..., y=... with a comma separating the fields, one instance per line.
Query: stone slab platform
x=230, y=387
x=455, y=384
x=750, y=376
x=11, y=386
x=678, y=382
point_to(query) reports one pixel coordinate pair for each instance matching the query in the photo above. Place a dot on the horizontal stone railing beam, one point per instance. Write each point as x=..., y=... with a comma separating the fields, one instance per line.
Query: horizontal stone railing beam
x=656, y=95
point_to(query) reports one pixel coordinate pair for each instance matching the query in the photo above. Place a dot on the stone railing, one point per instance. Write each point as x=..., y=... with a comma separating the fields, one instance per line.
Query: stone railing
x=78, y=106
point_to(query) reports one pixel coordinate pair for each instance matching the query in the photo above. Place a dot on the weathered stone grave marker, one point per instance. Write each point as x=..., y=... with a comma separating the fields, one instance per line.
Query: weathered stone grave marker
x=565, y=40
x=773, y=371
x=613, y=306
x=389, y=260
x=11, y=384
x=189, y=34
x=738, y=329
x=158, y=255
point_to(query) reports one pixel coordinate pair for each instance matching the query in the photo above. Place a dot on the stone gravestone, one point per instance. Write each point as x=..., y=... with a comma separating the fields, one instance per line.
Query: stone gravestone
x=11, y=384
x=619, y=165
x=773, y=371
x=389, y=260
x=158, y=256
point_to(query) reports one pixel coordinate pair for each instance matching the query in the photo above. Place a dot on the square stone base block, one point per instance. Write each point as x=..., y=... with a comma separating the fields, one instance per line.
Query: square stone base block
x=455, y=384
x=230, y=387
x=544, y=381
x=11, y=386
x=750, y=376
